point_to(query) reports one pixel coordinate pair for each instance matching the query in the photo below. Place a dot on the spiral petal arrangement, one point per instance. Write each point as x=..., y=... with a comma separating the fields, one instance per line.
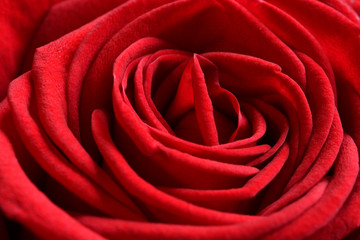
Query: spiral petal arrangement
x=207, y=119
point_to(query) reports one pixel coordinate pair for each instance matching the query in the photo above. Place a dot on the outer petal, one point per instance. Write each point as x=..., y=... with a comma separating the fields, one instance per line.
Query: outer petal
x=21, y=201
x=18, y=23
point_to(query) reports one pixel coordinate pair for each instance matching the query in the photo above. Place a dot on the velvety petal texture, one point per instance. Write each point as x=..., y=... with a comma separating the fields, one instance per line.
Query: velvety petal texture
x=179, y=119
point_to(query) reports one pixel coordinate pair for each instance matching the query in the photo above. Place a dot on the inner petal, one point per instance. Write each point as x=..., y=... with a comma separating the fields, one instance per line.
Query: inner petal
x=191, y=94
x=218, y=116
x=188, y=128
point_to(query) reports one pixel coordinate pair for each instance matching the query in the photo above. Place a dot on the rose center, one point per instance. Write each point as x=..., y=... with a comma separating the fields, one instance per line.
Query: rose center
x=192, y=102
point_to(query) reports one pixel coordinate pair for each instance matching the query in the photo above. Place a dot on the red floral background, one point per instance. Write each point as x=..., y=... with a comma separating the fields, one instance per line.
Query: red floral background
x=187, y=119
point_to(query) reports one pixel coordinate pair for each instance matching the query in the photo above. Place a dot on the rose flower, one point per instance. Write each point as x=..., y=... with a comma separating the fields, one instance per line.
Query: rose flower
x=185, y=119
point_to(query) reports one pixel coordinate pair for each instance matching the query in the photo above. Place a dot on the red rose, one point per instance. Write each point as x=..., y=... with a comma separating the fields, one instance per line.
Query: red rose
x=162, y=119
